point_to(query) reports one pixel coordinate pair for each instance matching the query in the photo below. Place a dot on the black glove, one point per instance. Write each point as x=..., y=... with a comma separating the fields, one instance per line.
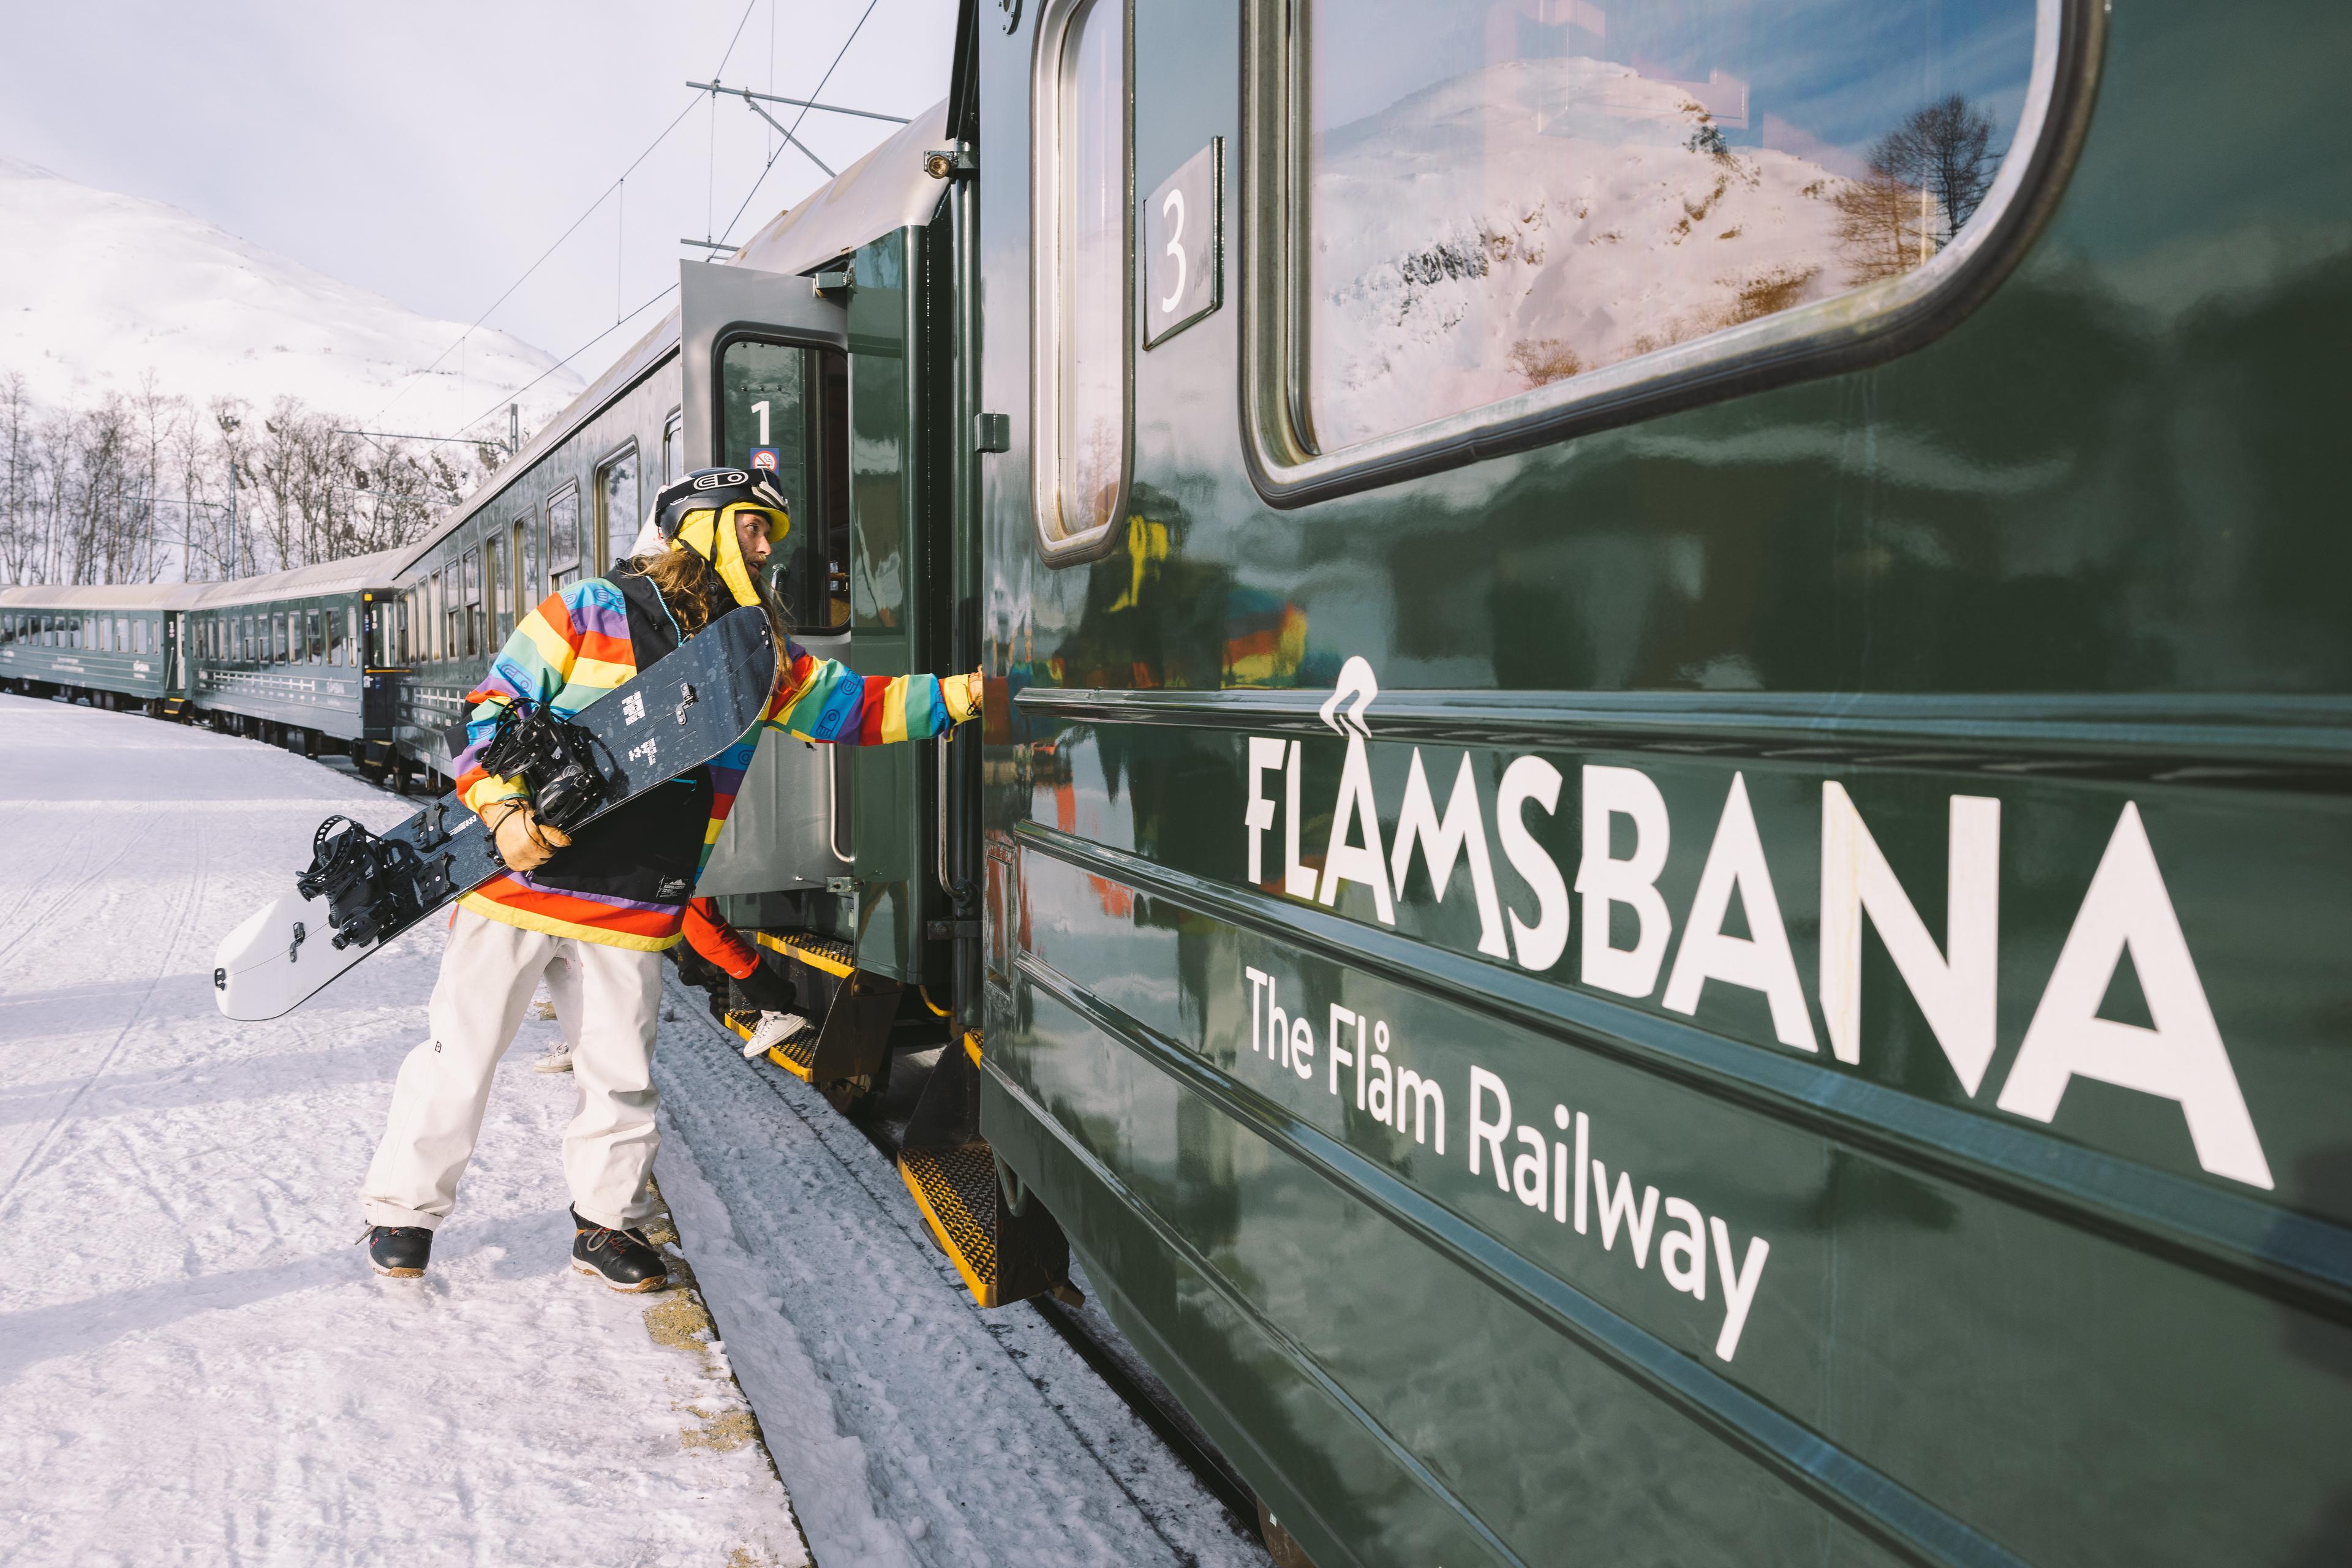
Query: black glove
x=767, y=991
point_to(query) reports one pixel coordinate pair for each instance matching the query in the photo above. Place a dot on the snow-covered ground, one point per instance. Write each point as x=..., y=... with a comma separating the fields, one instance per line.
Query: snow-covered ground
x=97, y=290
x=197, y=1367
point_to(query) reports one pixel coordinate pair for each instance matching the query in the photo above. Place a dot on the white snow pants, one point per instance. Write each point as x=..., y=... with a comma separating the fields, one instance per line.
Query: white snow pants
x=488, y=975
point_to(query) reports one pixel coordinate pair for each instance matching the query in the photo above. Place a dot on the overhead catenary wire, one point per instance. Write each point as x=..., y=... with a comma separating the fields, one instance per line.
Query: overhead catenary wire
x=618, y=190
x=762, y=177
x=534, y=266
x=512, y=396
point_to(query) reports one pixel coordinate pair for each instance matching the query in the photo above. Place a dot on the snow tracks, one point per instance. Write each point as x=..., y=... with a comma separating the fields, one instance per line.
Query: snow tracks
x=913, y=1428
x=195, y=1365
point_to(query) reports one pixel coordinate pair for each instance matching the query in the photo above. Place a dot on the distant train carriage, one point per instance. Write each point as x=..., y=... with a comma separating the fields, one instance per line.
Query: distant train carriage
x=295, y=656
x=113, y=646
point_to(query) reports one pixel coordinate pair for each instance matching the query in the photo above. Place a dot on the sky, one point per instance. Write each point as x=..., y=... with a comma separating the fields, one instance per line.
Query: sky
x=432, y=151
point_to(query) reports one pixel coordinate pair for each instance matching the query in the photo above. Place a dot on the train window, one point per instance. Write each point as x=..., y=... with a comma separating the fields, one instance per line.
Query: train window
x=317, y=639
x=467, y=644
x=1547, y=214
x=138, y=638
x=563, y=537
x=522, y=568
x=673, y=445
x=1084, y=320
x=786, y=410
x=496, y=602
x=616, y=507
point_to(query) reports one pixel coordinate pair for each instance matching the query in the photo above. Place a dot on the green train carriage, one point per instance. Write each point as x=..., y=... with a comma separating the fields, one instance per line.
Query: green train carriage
x=1687, y=909
x=297, y=657
x=113, y=646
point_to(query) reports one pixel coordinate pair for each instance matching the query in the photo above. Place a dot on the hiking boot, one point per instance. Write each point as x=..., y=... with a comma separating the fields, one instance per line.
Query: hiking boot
x=400, y=1251
x=623, y=1260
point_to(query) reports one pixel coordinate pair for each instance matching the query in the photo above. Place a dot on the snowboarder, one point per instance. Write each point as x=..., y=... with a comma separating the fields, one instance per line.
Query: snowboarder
x=612, y=900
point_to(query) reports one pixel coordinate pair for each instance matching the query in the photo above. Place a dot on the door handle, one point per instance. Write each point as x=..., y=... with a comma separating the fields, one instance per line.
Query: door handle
x=833, y=763
x=947, y=883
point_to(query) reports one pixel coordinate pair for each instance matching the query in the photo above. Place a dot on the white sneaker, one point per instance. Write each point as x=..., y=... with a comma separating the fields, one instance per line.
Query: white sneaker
x=775, y=1029
x=558, y=1060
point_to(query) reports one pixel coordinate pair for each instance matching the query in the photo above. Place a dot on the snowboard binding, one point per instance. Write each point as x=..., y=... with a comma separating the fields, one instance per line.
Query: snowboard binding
x=371, y=884
x=556, y=760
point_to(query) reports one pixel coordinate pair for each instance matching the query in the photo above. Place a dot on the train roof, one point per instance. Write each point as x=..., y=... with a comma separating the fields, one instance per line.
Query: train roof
x=101, y=595
x=882, y=192
x=885, y=191
x=348, y=576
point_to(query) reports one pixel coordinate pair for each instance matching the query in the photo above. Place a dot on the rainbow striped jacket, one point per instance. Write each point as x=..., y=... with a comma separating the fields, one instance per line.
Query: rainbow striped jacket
x=581, y=644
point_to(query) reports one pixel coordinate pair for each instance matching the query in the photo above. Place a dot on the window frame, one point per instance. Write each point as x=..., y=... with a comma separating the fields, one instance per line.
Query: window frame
x=582, y=527
x=1859, y=327
x=1045, y=285
x=601, y=521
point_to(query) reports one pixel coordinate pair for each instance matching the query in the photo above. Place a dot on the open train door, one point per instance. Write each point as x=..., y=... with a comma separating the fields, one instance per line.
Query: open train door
x=763, y=358
x=766, y=377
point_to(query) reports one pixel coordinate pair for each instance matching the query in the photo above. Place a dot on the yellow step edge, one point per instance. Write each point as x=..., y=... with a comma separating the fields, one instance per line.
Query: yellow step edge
x=792, y=948
x=983, y=1293
x=774, y=1055
x=971, y=1045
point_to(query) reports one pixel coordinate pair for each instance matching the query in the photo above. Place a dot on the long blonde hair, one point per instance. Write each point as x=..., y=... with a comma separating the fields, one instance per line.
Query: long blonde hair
x=688, y=584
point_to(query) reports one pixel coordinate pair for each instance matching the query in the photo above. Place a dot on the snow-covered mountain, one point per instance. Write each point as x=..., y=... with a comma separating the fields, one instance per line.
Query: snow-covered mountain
x=98, y=289
x=1514, y=224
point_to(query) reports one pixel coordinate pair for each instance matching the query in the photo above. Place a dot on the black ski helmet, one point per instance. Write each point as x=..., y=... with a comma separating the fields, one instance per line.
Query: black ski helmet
x=714, y=490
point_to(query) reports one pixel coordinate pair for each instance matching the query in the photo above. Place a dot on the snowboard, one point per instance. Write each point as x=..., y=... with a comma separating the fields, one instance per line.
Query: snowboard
x=364, y=889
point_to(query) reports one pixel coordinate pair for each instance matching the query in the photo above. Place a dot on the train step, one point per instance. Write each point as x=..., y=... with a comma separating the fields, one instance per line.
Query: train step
x=1002, y=1242
x=844, y=1052
x=819, y=953
x=795, y=1053
x=1003, y=1257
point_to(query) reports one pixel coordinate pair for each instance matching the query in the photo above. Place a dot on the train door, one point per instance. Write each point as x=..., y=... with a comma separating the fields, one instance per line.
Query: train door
x=764, y=373
x=767, y=386
x=380, y=675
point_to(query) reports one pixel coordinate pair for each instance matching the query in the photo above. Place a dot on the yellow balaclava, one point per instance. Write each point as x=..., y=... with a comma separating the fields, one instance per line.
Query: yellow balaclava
x=711, y=535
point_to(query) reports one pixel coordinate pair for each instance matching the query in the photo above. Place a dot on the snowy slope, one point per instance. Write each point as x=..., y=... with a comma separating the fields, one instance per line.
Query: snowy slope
x=97, y=288
x=1509, y=226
